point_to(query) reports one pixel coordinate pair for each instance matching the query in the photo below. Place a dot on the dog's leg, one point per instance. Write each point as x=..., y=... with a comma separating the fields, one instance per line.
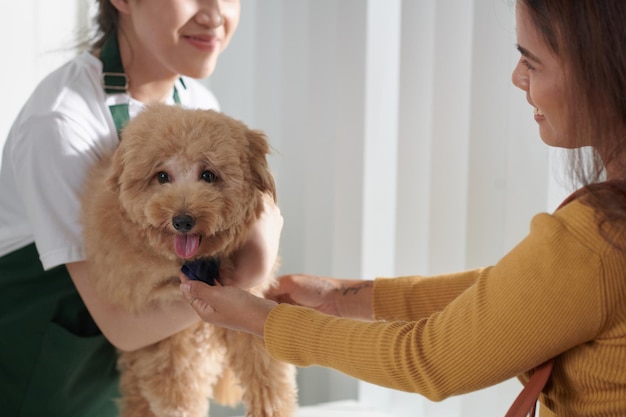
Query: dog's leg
x=227, y=390
x=176, y=376
x=269, y=386
x=132, y=403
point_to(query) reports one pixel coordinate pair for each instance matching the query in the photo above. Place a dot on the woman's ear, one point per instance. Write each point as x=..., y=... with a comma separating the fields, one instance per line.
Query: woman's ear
x=122, y=6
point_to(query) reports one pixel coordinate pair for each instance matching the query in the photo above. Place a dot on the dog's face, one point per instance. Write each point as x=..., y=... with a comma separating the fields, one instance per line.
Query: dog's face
x=190, y=181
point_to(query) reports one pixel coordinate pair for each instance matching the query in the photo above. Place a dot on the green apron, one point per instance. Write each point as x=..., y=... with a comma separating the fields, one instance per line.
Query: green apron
x=54, y=359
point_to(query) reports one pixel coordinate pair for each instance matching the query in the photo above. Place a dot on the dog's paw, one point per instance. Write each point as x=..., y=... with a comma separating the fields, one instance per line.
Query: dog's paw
x=205, y=270
x=182, y=412
x=283, y=404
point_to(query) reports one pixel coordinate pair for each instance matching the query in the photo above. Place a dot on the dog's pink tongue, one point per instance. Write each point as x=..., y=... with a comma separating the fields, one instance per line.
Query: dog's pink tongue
x=186, y=246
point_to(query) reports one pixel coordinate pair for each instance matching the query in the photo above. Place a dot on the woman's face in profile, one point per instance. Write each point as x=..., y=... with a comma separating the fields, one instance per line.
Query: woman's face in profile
x=541, y=74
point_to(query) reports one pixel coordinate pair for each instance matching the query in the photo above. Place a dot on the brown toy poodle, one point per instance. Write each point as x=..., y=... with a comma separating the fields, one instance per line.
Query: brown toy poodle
x=183, y=185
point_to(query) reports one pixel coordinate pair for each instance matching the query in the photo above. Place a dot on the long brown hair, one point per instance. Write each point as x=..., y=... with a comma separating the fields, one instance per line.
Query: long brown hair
x=590, y=37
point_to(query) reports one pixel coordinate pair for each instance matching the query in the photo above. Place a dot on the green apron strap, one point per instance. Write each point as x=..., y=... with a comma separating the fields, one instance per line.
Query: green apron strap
x=120, y=116
x=115, y=81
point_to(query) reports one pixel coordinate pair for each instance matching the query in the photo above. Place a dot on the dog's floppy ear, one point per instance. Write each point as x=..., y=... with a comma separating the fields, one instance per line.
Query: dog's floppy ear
x=259, y=149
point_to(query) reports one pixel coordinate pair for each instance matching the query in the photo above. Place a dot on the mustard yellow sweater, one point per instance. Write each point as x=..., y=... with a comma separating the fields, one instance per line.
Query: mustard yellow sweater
x=561, y=292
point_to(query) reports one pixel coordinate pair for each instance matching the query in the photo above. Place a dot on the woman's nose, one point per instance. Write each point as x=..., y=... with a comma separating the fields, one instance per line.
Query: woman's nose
x=519, y=77
x=210, y=14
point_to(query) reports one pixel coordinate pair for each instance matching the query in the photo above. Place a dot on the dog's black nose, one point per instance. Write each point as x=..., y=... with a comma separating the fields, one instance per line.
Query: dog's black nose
x=183, y=223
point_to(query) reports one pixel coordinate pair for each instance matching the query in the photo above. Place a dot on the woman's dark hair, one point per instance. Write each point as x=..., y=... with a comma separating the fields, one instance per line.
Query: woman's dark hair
x=107, y=21
x=590, y=37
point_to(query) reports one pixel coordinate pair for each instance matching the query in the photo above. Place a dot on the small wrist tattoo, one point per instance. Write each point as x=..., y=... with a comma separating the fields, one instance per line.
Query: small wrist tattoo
x=354, y=289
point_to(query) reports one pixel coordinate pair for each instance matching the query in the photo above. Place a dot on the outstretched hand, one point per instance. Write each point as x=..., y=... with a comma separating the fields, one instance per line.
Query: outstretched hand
x=338, y=297
x=235, y=308
x=306, y=290
x=227, y=306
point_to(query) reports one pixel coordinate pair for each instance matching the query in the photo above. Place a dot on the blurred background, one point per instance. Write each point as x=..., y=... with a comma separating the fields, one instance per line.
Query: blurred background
x=400, y=145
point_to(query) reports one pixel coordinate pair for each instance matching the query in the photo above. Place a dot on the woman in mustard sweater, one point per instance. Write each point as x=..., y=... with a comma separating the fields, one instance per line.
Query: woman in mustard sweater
x=560, y=293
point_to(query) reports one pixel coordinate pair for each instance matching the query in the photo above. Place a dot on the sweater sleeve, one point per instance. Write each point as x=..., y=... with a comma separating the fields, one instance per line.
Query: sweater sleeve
x=428, y=294
x=541, y=299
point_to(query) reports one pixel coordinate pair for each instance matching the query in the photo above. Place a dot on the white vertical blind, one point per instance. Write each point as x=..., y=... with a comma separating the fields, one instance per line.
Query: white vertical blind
x=380, y=159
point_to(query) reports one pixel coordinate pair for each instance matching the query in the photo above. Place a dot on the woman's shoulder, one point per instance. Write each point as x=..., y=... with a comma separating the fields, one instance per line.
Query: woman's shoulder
x=71, y=95
x=596, y=214
x=73, y=88
x=574, y=220
x=582, y=223
x=78, y=80
x=599, y=209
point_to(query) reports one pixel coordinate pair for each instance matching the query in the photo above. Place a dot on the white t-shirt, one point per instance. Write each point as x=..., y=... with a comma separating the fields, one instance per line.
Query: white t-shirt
x=62, y=130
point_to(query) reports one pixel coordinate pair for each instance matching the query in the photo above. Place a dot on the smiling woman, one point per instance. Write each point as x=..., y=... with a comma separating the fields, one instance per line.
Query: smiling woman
x=161, y=39
x=541, y=74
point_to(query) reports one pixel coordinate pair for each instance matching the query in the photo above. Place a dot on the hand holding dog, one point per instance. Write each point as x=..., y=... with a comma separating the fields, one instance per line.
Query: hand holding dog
x=256, y=259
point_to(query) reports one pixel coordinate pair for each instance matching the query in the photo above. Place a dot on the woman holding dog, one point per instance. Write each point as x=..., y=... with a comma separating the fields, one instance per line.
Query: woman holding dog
x=58, y=341
x=559, y=296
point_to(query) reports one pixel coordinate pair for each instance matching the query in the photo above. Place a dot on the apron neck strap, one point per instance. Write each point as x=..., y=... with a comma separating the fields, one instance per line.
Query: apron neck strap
x=115, y=81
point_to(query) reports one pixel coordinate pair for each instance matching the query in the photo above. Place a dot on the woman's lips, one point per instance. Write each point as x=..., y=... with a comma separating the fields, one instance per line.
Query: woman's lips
x=538, y=114
x=205, y=43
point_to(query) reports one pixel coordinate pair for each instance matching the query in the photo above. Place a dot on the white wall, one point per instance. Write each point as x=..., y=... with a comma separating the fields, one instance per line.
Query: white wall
x=400, y=144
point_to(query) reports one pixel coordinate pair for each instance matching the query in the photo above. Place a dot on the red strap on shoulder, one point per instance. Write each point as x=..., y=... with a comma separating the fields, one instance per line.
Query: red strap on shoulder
x=526, y=402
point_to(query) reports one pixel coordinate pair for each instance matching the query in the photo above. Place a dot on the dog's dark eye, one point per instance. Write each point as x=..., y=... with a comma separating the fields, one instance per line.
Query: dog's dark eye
x=162, y=177
x=209, y=176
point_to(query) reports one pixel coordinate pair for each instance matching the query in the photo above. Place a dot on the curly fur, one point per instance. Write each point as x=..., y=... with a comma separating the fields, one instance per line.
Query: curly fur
x=203, y=164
